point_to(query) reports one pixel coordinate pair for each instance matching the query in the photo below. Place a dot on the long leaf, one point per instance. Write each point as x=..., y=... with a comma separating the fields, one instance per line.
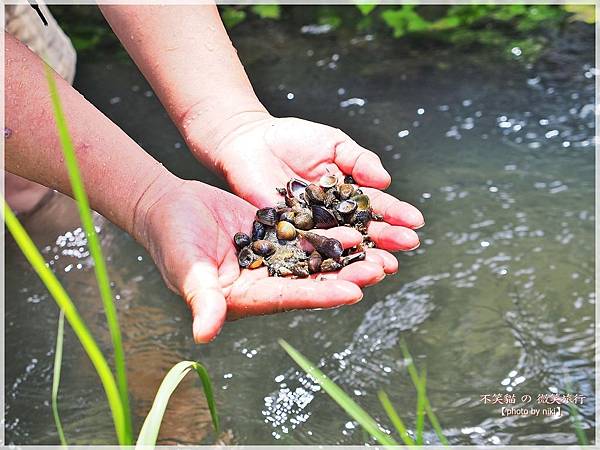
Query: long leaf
x=395, y=418
x=149, y=432
x=342, y=399
x=414, y=376
x=87, y=222
x=65, y=303
x=56, y=376
x=421, y=399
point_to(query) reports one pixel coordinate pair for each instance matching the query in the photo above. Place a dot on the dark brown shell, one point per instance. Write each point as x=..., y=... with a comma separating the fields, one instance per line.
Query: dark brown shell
x=345, y=191
x=323, y=218
x=314, y=194
x=349, y=180
x=329, y=265
x=267, y=216
x=354, y=257
x=258, y=231
x=328, y=247
x=288, y=216
x=304, y=220
x=241, y=240
x=263, y=247
x=314, y=262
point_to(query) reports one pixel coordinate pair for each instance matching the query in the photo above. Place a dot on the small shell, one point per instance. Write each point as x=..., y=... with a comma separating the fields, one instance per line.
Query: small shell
x=267, y=216
x=328, y=247
x=330, y=198
x=323, y=218
x=349, y=180
x=354, y=257
x=258, y=231
x=314, y=194
x=362, y=202
x=328, y=181
x=286, y=231
x=295, y=188
x=259, y=261
x=300, y=270
x=304, y=220
x=246, y=257
x=346, y=191
x=263, y=247
x=361, y=217
x=241, y=240
x=346, y=207
x=329, y=265
x=314, y=262
x=288, y=216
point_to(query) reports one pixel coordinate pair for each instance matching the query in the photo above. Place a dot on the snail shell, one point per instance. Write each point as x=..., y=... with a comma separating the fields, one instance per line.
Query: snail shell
x=258, y=231
x=362, y=202
x=241, y=240
x=328, y=247
x=314, y=262
x=295, y=188
x=286, y=231
x=246, y=257
x=267, y=216
x=346, y=191
x=314, y=194
x=263, y=247
x=346, y=207
x=304, y=220
x=288, y=216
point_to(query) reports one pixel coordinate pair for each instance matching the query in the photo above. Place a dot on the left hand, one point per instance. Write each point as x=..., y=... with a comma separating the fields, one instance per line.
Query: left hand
x=263, y=153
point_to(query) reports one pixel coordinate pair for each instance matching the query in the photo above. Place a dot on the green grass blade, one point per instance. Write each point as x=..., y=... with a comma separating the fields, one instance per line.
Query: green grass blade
x=395, y=418
x=94, y=247
x=341, y=398
x=414, y=376
x=65, y=303
x=56, y=376
x=421, y=399
x=149, y=432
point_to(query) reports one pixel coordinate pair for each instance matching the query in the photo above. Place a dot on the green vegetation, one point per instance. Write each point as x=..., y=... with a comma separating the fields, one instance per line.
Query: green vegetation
x=115, y=388
x=370, y=425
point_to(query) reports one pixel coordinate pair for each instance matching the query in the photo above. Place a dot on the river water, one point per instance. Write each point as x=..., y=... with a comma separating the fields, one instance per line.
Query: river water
x=499, y=298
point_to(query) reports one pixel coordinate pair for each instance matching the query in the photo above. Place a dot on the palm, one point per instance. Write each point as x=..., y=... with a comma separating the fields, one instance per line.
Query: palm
x=263, y=155
x=190, y=233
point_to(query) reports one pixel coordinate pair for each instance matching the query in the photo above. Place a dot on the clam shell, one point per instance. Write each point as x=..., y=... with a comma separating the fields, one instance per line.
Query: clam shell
x=263, y=247
x=267, y=216
x=286, y=231
x=323, y=218
x=241, y=240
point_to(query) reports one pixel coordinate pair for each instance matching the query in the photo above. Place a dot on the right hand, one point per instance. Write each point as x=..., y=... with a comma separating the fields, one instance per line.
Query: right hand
x=187, y=227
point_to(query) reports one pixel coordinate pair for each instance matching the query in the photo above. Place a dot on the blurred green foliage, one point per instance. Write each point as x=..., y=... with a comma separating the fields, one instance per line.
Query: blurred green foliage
x=504, y=27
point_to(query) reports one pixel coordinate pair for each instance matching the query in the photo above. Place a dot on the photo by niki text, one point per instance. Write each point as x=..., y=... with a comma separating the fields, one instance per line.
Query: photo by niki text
x=533, y=404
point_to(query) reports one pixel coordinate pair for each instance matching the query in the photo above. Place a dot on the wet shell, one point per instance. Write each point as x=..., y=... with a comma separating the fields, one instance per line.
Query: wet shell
x=246, y=257
x=295, y=188
x=330, y=198
x=354, y=257
x=267, y=216
x=349, y=180
x=259, y=261
x=329, y=265
x=263, y=247
x=258, y=231
x=362, y=202
x=300, y=270
x=288, y=216
x=286, y=231
x=360, y=218
x=346, y=191
x=328, y=247
x=328, y=181
x=241, y=240
x=323, y=218
x=346, y=207
x=314, y=194
x=314, y=262
x=304, y=220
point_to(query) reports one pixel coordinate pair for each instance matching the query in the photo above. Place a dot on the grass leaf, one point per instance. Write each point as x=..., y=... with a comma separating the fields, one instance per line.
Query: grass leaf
x=87, y=222
x=56, y=376
x=341, y=398
x=149, y=432
x=395, y=418
x=421, y=399
x=65, y=303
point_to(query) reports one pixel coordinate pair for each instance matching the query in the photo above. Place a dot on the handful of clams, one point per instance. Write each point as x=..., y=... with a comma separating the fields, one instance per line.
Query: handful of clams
x=277, y=232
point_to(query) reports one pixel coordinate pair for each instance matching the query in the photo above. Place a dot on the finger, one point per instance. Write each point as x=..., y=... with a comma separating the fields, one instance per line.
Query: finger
x=271, y=295
x=364, y=165
x=363, y=273
x=388, y=261
x=394, y=211
x=205, y=298
x=393, y=238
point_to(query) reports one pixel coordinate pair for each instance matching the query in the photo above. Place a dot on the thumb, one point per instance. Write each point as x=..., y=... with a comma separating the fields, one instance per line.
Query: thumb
x=205, y=298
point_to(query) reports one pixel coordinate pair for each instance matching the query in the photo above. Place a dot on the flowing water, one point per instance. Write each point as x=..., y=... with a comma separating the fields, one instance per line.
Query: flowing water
x=499, y=298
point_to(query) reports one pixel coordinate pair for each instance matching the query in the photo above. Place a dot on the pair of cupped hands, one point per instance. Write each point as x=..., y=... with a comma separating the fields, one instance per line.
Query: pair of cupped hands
x=187, y=226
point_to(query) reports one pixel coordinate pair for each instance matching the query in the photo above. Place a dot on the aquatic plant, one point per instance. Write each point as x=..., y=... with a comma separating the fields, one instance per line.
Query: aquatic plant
x=370, y=425
x=114, y=387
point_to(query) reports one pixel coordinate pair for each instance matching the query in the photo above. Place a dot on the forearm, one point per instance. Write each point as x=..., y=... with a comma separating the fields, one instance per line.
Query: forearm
x=186, y=55
x=115, y=170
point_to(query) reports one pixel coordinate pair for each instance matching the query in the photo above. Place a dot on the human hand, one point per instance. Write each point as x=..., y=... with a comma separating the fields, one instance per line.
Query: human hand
x=257, y=155
x=188, y=226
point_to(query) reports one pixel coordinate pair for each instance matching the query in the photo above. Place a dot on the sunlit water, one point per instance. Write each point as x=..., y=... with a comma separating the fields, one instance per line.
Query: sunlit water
x=499, y=298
